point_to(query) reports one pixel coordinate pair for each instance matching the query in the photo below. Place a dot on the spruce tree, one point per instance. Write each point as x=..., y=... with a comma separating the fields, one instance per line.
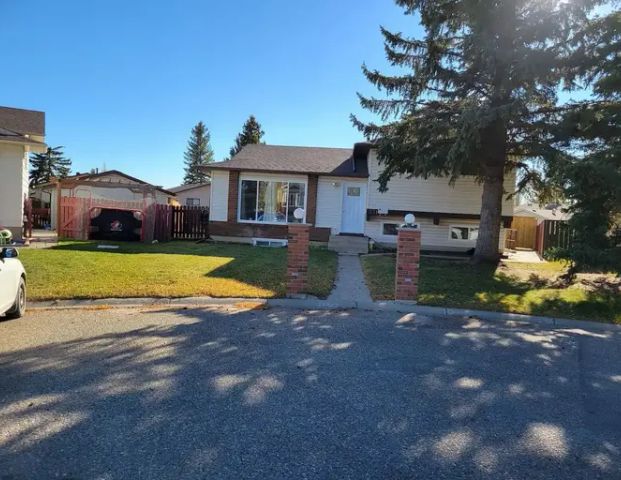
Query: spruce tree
x=590, y=172
x=475, y=95
x=197, y=155
x=251, y=134
x=45, y=166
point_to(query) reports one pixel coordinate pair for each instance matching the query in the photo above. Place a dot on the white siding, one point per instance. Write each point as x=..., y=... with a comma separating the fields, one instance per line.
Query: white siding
x=431, y=195
x=434, y=237
x=330, y=201
x=13, y=186
x=202, y=193
x=219, y=195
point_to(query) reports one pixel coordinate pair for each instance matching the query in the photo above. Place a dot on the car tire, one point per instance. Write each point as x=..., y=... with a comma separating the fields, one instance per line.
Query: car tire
x=19, y=307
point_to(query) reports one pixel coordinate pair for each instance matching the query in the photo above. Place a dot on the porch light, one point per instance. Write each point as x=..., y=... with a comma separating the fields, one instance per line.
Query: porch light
x=410, y=221
x=298, y=214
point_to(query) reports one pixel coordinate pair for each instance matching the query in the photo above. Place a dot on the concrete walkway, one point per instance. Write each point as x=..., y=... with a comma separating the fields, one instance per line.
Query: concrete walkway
x=523, y=256
x=350, y=287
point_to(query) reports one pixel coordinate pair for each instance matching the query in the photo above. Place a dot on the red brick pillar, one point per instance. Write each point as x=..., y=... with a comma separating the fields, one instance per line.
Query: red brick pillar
x=297, y=258
x=408, y=259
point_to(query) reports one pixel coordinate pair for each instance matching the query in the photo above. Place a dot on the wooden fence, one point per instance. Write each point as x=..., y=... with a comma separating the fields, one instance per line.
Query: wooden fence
x=553, y=234
x=526, y=232
x=159, y=222
x=181, y=223
x=75, y=215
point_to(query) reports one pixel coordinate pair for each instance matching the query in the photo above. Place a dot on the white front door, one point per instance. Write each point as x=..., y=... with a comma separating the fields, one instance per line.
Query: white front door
x=354, y=206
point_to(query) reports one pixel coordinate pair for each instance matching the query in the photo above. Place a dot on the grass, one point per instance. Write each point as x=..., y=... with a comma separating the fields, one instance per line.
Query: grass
x=517, y=288
x=176, y=269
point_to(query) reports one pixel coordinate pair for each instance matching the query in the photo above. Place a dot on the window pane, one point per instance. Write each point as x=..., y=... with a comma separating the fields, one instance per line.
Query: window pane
x=389, y=229
x=272, y=202
x=248, y=204
x=474, y=233
x=353, y=191
x=297, y=191
x=459, y=233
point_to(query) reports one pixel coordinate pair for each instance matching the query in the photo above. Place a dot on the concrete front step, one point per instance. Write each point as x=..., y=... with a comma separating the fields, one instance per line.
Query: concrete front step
x=348, y=244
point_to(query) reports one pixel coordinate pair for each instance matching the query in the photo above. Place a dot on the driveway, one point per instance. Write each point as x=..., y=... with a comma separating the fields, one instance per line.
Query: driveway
x=148, y=394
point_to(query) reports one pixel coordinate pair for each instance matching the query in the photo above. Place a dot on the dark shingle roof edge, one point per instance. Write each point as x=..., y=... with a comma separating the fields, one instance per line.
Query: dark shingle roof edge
x=297, y=159
x=24, y=122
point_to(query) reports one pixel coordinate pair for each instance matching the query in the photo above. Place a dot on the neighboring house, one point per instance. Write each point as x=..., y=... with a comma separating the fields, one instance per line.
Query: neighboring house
x=108, y=185
x=553, y=212
x=193, y=195
x=21, y=132
x=254, y=196
x=537, y=227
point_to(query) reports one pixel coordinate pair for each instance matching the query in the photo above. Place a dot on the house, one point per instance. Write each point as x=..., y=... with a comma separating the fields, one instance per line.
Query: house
x=254, y=196
x=109, y=185
x=553, y=212
x=21, y=132
x=193, y=195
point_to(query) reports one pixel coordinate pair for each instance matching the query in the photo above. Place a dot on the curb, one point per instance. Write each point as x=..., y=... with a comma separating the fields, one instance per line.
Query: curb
x=317, y=304
x=408, y=307
x=140, y=302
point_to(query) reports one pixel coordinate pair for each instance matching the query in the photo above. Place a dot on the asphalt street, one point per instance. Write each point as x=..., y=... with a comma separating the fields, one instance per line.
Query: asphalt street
x=279, y=394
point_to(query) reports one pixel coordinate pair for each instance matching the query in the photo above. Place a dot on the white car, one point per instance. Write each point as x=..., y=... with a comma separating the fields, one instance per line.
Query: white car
x=12, y=284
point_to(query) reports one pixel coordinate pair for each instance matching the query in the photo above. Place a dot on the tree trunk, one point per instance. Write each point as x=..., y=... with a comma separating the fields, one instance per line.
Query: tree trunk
x=487, y=246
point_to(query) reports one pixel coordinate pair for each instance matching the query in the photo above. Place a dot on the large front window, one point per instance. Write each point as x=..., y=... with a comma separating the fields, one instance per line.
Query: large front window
x=270, y=201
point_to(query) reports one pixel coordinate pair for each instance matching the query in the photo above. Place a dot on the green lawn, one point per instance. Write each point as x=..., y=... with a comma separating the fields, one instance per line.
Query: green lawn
x=175, y=269
x=518, y=288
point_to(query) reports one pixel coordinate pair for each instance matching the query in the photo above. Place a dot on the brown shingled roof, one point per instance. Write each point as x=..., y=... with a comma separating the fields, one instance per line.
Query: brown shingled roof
x=24, y=122
x=278, y=158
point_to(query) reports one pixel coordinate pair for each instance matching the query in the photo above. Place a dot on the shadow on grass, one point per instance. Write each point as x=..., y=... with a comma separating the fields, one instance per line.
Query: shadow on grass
x=463, y=285
x=258, y=267
x=277, y=394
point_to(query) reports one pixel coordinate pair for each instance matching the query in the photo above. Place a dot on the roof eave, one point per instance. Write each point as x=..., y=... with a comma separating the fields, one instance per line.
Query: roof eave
x=292, y=172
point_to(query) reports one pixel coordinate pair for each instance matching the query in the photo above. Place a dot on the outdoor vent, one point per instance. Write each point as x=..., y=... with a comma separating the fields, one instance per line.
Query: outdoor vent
x=269, y=242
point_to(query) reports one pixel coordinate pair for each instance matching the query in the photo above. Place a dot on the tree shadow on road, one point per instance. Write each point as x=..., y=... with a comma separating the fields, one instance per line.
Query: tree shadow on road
x=205, y=393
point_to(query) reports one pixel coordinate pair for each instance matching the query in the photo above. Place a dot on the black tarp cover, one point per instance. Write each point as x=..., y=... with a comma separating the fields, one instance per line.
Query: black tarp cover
x=115, y=224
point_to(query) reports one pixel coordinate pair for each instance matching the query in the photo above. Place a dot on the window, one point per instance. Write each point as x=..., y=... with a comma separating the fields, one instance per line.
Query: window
x=193, y=202
x=462, y=232
x=390, y=228
x=269, y=201
x=353, y=191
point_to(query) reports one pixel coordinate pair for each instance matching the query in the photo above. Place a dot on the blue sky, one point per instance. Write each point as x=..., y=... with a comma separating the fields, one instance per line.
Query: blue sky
x=123, y=82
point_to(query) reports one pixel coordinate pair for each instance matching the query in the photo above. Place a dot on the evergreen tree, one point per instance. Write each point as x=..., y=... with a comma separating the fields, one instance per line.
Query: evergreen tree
x=476, y=95
x=44, y=166
x=590, y=174
x=251, y=134
x=197, y=155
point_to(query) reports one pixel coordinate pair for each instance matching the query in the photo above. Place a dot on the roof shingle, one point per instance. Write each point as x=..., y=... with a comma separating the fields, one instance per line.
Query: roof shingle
x=278, y=158
x=24, y=122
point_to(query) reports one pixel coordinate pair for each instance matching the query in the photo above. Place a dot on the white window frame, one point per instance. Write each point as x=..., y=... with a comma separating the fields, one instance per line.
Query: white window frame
x=269, y=179
x=468, y=226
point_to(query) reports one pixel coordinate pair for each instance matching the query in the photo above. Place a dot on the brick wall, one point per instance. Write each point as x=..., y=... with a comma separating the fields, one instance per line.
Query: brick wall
x=233, y=194
x=258, y=230
x=408, y=261
x=297, y=258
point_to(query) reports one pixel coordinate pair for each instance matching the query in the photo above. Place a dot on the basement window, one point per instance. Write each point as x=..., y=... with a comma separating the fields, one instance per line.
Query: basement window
x=390, y=228
x=269, y=242
x=464, y=232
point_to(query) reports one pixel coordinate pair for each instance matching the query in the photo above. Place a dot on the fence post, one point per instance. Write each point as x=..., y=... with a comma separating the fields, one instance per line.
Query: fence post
x=297, y=258
x=408, y=260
